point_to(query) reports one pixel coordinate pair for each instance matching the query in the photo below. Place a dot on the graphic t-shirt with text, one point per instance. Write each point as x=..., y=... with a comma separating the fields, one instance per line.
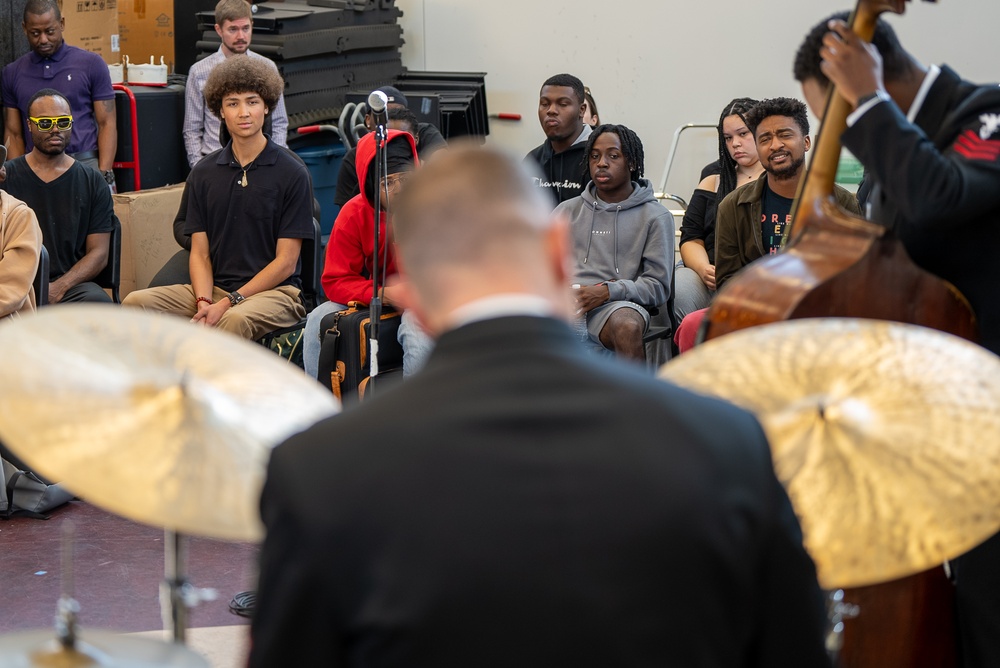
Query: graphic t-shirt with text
x=776, y=213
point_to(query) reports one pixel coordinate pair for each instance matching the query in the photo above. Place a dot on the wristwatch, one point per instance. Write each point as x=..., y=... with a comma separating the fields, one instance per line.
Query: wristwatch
x=235, y=298
x=109, y=176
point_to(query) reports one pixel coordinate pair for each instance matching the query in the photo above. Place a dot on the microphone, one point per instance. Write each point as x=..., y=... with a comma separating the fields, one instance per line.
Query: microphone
x=377, y=102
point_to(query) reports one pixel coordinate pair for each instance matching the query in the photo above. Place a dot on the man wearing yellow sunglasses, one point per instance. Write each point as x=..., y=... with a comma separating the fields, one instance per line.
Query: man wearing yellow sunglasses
x=81, y=77
x=72, y=201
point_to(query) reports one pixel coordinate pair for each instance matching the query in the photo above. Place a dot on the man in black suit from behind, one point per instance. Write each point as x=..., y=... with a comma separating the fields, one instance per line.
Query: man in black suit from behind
x=518, y=502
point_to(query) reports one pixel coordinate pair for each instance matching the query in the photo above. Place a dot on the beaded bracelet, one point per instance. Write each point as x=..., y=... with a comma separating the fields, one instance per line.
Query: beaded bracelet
x=203, y=299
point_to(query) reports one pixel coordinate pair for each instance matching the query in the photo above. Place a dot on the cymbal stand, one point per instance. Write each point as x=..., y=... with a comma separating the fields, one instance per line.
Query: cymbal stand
x=837, y=610
x=177, y=595
x=67, y=608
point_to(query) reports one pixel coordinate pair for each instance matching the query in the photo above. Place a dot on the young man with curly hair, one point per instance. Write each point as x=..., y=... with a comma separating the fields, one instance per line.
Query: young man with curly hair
x=249, y=208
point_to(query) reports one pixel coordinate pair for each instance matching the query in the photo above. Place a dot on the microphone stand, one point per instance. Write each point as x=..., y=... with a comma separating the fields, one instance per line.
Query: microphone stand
x=375, y=305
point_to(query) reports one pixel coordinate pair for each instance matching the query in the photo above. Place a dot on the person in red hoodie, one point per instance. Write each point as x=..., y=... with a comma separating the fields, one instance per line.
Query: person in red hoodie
x=348, y=266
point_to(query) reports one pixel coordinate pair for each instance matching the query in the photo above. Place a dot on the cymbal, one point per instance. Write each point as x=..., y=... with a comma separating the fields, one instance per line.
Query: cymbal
x=94, y=648
x=885, y=436
x=151, y=417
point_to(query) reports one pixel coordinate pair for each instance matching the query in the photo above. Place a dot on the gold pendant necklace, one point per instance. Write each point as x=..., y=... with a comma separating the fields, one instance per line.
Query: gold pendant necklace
x=243, y=181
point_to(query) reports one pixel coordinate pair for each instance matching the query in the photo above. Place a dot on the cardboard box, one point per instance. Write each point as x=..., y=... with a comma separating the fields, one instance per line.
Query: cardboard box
x=92, y=25
x=145, y=30
x=147, y=218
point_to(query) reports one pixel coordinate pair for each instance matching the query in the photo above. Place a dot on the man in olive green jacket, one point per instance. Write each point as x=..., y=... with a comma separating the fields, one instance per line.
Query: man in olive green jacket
x=752, y=220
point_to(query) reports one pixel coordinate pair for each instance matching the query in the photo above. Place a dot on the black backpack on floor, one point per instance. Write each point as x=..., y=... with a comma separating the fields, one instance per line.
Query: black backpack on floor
x=24, y=494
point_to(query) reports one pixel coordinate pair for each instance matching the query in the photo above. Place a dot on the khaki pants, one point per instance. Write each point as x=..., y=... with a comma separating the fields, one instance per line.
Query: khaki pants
x=260, y=314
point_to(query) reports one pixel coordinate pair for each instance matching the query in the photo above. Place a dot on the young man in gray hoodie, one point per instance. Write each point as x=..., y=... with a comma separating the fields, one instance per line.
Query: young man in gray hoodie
x=623, y=243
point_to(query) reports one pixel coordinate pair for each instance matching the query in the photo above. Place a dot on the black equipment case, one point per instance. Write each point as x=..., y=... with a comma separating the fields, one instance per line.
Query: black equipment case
x=344, y=358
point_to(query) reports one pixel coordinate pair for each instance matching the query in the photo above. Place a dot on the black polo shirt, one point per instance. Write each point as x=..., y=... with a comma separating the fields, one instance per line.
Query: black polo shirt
x=244, y=223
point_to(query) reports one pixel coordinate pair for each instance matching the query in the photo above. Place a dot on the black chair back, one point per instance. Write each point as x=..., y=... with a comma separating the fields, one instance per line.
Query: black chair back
x=311, y=272
x=661, y=323
x=111, y=276
x=41, y=283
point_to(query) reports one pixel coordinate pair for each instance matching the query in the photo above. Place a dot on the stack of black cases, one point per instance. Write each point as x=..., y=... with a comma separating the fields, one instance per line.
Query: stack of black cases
x=454, y=102
x=323, y=49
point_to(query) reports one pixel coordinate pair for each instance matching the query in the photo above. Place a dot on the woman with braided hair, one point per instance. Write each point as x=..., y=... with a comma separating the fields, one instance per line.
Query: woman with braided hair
x=738, y=165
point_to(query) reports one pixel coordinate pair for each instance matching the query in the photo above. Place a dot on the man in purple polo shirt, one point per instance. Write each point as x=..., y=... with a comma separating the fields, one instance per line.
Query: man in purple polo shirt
x=81, y=76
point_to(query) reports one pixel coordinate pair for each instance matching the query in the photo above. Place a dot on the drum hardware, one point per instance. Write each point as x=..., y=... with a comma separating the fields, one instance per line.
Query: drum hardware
x=38, y=649
x=67, y=608
x=149, y=417
x=72, y=647
x=177, y=595
x=884, y=435
x=837, y=610
x=153, y=419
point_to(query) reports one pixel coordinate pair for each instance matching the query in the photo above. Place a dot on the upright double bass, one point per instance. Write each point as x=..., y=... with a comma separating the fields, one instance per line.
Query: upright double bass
x=835, y=264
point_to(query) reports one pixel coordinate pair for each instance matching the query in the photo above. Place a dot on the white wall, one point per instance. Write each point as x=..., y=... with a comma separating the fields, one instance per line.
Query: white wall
x=656, y=64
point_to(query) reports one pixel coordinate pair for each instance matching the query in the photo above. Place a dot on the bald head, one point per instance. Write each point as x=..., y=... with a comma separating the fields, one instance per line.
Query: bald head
x=471, y=223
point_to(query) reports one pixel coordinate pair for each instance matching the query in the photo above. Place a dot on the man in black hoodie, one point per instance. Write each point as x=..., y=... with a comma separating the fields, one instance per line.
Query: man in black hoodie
x=562, y=157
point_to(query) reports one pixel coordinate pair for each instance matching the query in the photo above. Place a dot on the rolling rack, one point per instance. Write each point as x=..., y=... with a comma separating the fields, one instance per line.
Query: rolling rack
x=132, y=164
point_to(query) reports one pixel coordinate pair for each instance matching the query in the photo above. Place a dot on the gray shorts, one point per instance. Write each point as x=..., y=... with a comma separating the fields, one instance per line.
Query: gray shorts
x=597, y=318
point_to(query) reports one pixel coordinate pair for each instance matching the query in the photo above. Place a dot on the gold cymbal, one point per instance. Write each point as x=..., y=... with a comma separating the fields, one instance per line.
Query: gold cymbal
x=94, y=648
x=149, y=416
x=886, y=436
